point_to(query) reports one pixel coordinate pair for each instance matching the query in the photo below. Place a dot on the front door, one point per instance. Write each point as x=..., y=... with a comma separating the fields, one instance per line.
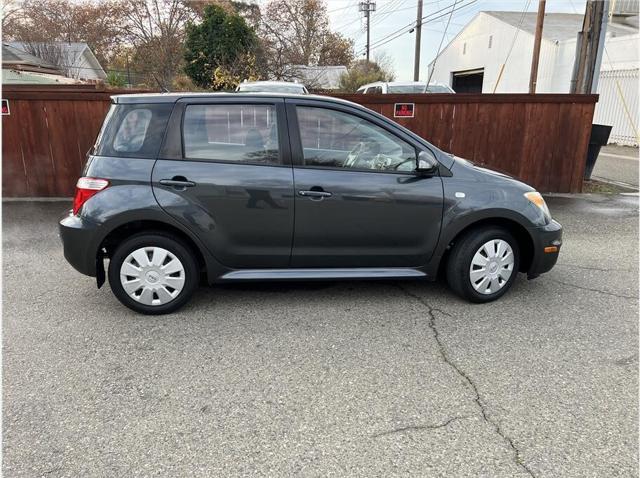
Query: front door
x=234, y=186
x=358, y=201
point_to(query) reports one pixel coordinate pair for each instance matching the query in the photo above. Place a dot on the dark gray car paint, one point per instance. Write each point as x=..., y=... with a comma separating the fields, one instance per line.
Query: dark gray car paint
x=242, y=212
x=369, y=219
x=412, y=219
x=129, y=198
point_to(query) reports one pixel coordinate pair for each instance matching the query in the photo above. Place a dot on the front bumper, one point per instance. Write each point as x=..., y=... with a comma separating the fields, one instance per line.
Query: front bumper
x=78, y=237
x=545, y=239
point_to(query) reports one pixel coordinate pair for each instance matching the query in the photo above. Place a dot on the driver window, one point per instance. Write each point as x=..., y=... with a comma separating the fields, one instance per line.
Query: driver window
x=334, y=139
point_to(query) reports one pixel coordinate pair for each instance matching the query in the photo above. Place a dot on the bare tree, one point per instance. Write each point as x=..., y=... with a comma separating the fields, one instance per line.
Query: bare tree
x=296, y=32
x=11, y=14
x=98, y=23
x=156, y=28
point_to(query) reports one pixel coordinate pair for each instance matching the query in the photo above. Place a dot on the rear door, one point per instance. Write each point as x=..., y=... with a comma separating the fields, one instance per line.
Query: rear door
x=225, y=172
x=358, y=201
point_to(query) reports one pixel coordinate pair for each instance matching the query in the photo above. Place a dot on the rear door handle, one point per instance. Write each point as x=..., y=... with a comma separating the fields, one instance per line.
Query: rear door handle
x=177, y=183
x=315, y=194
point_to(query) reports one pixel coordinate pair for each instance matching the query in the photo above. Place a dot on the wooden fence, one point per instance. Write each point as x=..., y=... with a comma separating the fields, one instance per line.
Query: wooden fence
x=540, y=139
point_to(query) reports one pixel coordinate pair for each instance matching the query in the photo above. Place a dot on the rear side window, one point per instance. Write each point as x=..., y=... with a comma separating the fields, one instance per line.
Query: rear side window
x=238, y=133
x=133, y=130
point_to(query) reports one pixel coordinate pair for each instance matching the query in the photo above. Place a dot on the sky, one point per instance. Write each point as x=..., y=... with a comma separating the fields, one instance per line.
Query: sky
x=392, y=15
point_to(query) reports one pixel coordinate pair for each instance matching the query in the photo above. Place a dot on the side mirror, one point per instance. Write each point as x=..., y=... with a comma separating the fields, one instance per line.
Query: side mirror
x=426, y=163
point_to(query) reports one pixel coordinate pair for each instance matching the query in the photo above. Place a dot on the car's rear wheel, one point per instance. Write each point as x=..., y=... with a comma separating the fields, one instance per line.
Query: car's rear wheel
x=483, y=264
x=153, y=273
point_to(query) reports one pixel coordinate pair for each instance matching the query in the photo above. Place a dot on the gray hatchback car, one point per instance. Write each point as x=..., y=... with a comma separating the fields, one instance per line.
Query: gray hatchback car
x=181, y=188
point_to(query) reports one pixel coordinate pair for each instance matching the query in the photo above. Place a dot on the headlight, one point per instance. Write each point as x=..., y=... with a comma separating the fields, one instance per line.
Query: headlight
x=536, y=198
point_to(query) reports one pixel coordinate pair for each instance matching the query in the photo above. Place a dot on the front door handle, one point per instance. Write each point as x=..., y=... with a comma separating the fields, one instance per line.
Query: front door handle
x=177, y=182
x=315, y=194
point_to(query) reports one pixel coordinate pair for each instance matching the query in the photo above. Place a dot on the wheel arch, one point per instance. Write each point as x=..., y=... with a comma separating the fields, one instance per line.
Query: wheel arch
x=124, y=229
x=515, y=227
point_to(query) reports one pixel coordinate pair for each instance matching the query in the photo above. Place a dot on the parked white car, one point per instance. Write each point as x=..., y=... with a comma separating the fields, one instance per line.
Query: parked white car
x=400, y=87
x=272, y=87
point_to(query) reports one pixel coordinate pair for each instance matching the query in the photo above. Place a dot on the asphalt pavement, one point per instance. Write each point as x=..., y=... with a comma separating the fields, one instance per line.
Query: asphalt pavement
x=618, y=164
x=326, y=379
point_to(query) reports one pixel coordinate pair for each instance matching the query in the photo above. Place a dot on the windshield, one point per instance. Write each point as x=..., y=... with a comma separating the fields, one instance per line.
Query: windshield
x=299, y=89
x=406, y=89
x=439, y=89
x=419, y=88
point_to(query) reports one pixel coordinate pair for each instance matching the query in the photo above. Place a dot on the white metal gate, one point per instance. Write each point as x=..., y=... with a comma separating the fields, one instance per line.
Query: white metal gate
x=618, y=105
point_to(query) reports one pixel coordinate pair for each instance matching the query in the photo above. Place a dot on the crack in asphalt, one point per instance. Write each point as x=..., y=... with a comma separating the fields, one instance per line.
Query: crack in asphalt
x=590, y=289
x=478, y=399
x=48, y=472
x=418, y=427
x=586, y=268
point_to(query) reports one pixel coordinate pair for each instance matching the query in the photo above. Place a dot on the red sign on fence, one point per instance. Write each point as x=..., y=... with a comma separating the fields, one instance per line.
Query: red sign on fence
x=403, y=110
x=5, y=107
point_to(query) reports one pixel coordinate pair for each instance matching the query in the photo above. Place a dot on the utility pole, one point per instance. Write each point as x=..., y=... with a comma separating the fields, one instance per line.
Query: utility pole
x=368, y=6
x=416, y=60
x=590, y=47
x=533, y=80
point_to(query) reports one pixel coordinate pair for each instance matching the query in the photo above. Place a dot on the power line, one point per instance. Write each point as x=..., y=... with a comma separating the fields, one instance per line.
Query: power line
x=349, y=5
x=441, y=41
x=405, y=29
x=513, y=42
x=408, y=27
x=391, y=8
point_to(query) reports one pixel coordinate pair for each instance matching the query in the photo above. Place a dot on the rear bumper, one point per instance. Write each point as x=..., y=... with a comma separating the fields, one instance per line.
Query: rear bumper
x=548, y=236
x=78, y=236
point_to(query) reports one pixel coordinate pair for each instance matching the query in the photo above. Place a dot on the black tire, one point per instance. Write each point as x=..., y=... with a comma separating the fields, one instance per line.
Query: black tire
x=156, y=239
x=462, y=254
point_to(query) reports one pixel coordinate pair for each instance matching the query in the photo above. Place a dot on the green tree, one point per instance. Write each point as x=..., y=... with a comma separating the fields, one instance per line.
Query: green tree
x=116, y=79
x=222, y=42
x=363, y=72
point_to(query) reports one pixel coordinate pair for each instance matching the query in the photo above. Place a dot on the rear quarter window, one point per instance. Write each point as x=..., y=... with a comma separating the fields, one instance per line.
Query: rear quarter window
x=133, y=130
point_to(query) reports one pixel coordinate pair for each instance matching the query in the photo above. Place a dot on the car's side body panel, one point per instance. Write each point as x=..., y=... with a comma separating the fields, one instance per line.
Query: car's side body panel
x=242, y=212
x=128, y=199
x=373, y=218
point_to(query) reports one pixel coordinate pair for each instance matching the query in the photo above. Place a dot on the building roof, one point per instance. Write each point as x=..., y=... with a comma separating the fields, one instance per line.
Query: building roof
x=72, y=53
x=20, y=77
x=557, y=26
x=15, y=57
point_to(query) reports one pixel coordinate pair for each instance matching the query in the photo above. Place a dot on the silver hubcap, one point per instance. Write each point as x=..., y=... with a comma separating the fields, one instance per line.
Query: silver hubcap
x=152, y=275
x=491, y=266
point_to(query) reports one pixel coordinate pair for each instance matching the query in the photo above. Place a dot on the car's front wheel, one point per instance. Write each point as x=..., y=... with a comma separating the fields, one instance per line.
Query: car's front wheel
x=153, y=273
x=483, y=264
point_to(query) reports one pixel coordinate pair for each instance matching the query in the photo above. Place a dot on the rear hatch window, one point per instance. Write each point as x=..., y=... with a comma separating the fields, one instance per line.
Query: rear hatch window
x=133, y=130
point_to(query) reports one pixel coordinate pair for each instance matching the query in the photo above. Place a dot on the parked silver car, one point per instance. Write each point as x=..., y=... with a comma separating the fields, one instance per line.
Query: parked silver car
x=403, y=87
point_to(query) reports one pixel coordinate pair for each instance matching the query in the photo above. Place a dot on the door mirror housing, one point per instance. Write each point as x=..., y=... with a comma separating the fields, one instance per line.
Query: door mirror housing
x=426, y=163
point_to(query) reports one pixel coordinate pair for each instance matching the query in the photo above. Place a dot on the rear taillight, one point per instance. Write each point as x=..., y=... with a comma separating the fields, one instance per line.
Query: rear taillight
x=85, y=188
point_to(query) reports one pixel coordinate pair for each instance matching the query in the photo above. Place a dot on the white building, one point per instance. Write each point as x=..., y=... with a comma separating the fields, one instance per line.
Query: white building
x=492, y=54
x=75, y=59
